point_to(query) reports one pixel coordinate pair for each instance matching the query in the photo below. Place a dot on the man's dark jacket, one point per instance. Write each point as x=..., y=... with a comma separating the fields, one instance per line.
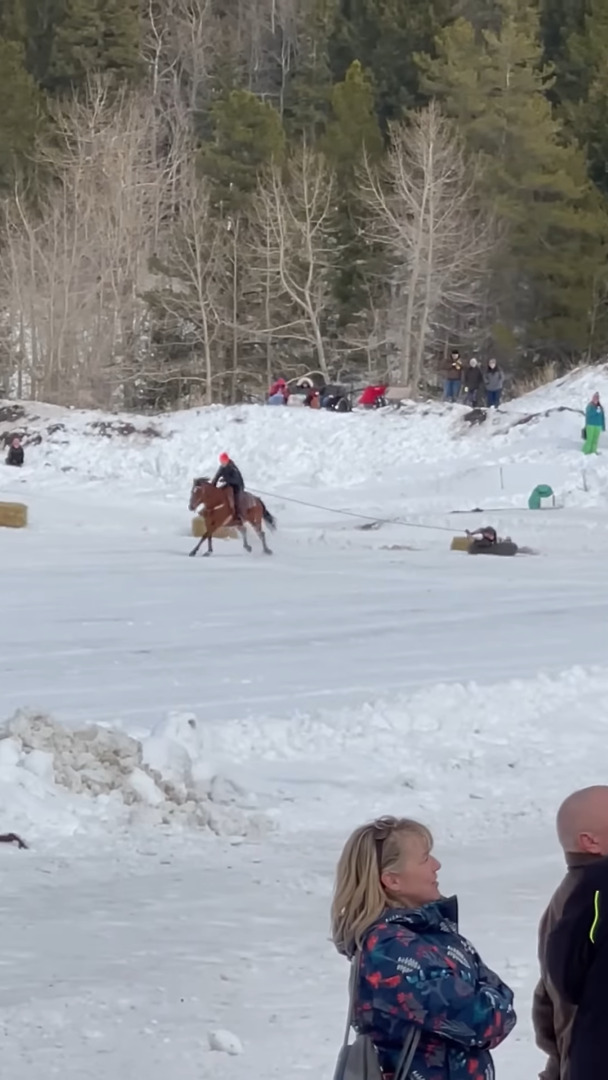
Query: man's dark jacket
x=577, y=963
x=229, y=475
x=553, y=1017
x=473, y=378
x=15, y=456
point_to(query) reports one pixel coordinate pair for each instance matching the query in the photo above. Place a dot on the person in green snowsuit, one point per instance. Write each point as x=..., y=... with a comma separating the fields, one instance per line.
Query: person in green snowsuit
x=595, y=423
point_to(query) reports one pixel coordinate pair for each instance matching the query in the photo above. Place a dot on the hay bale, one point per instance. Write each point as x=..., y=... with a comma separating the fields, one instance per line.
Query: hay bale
x=13, y=515
x=460, y=543
x=198, y=530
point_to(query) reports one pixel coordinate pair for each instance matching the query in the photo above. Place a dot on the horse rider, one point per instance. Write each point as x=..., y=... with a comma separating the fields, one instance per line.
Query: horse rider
x=231, y=477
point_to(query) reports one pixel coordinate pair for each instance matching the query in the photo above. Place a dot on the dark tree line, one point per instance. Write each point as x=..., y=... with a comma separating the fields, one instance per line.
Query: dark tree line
x=199, y=194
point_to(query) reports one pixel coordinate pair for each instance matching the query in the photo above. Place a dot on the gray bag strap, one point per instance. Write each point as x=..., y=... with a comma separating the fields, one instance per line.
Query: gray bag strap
x=413, y=1035
x=352, y=988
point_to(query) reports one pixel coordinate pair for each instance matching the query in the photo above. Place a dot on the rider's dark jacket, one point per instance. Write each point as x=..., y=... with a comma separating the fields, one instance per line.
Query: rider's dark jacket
x=230, y=475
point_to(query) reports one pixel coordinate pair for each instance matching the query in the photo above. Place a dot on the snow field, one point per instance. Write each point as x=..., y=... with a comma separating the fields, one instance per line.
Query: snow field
x=172, y=911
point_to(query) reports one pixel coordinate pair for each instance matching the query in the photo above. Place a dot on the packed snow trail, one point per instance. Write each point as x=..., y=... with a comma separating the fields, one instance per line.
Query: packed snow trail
x=123, y=627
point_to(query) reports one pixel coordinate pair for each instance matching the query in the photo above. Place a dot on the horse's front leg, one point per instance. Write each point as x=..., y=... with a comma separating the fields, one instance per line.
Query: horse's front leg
x=243, y=531
x=209, y=550
x=195, y=550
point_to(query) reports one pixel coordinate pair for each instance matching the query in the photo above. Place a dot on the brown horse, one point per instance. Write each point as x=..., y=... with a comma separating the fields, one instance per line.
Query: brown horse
x=218, y=513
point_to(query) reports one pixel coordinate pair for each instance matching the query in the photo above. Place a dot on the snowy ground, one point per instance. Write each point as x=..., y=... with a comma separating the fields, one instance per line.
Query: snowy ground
x=178, y=882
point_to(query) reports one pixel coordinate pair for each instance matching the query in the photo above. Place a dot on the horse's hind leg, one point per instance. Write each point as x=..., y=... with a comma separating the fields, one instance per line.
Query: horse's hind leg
x=243, y=532
x=262, y=535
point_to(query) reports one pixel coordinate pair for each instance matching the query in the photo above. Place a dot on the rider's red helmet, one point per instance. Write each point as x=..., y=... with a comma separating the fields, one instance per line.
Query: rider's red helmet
x=224, y=459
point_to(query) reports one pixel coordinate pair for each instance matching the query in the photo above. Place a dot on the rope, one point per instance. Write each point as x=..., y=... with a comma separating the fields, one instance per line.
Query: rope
x=352, y=513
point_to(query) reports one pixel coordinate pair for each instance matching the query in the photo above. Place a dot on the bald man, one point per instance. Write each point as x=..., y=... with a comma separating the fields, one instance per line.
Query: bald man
x=582, y=830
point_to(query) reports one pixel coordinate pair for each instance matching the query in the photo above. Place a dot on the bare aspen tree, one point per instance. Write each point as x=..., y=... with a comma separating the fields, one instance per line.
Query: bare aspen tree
x=298, y=250
x=193, y=265
x=180, y=46
x=425, y=214
x=78, y=259
x=367, y=337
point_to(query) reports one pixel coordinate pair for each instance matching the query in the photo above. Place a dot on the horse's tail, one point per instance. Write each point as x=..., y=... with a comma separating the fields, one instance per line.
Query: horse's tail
x=268, y=518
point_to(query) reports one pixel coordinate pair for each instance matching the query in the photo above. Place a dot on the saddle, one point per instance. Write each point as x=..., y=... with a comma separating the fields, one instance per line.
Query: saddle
x=247, y=502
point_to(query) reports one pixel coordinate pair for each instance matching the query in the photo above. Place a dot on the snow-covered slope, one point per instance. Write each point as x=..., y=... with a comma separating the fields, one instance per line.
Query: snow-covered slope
x=418, y=450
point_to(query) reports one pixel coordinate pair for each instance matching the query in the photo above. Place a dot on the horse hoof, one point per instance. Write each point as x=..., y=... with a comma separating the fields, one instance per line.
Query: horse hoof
x=267, y=551
x=248, y=548
x=206, y=554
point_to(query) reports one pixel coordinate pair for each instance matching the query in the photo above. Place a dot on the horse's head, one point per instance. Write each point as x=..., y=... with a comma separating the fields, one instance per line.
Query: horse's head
x=197, y=495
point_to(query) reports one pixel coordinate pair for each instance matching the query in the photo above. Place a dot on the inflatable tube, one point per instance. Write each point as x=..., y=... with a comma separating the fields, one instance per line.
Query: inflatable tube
x=542, y=491
x=503, y=547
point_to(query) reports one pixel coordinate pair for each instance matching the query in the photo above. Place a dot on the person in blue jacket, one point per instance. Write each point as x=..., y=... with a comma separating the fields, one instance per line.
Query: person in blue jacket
x=595, y=423
x=415, y=967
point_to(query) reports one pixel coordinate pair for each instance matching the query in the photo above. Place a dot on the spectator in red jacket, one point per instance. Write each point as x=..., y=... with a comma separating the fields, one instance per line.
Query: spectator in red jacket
x=278, y=390
x=373, y=397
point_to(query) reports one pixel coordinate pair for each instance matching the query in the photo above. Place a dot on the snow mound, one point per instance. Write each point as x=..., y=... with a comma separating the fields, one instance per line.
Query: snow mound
x=57, y=779
x=574, y=389
x=224, y=1042
x=476, y=749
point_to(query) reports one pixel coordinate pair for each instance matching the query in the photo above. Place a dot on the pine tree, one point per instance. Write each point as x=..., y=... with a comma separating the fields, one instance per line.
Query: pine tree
x=353, y=128
x=76, y=45
x=587, y=110
x=248, y=135
x=308, y=90
x=14, y=21
x=248, y=138
x=120, y=38
x=20, y=109
x=352, y=135
x=559, y=21
x=83, y=38
x=533, y=178
x=385, y=35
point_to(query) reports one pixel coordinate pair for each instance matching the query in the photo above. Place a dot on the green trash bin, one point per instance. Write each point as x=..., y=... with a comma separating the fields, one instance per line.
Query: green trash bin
x=542, y=491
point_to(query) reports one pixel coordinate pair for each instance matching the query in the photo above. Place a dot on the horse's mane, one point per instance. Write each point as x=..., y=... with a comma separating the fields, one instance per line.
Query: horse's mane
x=200, y=480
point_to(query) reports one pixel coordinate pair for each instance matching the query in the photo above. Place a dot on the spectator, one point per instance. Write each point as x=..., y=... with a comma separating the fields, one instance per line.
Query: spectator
x=15, y=454
x=452, y=382
x=595, y=423
x=278, y=393
x=414, y=968
x=473, y=379
x=582, y=831
x=577, y=962
x=494, y=381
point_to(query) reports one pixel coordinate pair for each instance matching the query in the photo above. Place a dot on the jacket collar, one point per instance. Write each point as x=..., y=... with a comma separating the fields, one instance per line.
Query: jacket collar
x=428, y=917
x=576, y=860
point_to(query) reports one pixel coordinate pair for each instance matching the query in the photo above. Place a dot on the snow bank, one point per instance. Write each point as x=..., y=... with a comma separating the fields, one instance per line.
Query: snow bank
x=283, y=449
x=278, y=446
x=478, y=750
x=62, y=780
x=573, y=390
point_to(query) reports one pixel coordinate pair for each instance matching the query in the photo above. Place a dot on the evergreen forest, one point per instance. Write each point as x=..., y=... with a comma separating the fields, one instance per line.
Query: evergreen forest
x=197, y=196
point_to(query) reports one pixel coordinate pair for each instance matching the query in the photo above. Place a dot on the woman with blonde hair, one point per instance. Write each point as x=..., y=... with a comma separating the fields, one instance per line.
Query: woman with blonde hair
x=413, y=965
